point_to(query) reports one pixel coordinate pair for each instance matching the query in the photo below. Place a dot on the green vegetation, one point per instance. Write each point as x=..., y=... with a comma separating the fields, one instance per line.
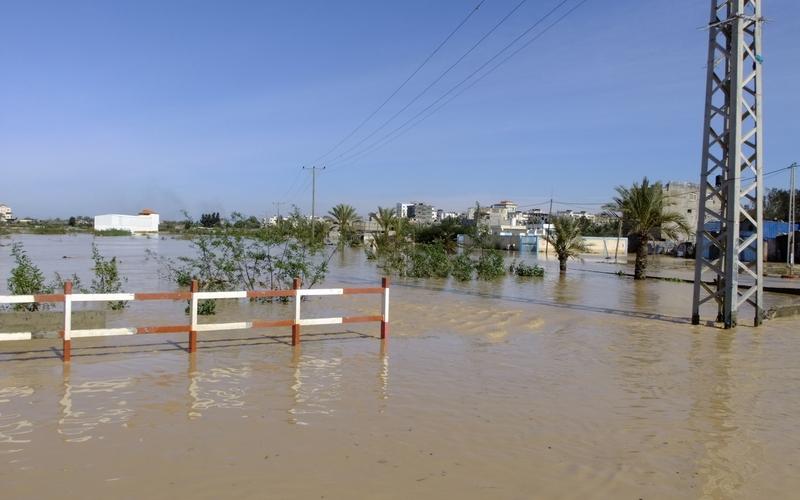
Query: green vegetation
x=526, y=271
x=210, y=220
x=429, y=261
x=566, y=240
x=269, y=258
x=48, y=229
x=776, y=205
x=106, y=277
x=461, y=267
x=431, y=251
x=344, y=218
x=644, y=212
x=445, y=232
x=489, y=265
x=26, y=278
x=112, y=232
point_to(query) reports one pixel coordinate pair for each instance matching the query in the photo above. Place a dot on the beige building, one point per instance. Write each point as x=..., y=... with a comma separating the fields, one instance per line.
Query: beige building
x=5, y=213
x=683, y=197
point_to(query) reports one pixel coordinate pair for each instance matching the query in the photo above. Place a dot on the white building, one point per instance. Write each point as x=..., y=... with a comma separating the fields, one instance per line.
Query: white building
x=5, y=213
x=145, y=222
x=402, y=210
x=577, y=214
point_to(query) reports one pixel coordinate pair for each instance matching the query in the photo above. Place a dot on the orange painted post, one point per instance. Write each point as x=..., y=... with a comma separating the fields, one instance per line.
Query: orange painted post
x=297, y=299
x=192, y=331
x=385, y=282
x=67, y=334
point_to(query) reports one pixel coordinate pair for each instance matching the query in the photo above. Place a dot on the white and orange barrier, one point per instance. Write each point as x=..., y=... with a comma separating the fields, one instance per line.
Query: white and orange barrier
x=194, y=296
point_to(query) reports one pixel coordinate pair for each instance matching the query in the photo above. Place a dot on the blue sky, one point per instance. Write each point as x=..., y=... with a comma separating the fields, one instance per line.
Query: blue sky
x=115, y=106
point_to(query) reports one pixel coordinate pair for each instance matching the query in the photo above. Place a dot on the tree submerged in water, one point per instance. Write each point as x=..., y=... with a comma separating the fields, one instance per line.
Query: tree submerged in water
x=228, y=259
x=344, y=218
x=26, y=278
x=566, y=240
x=644, y=210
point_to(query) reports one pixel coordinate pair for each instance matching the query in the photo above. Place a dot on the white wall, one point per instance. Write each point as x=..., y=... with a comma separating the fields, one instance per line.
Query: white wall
x=132, y=223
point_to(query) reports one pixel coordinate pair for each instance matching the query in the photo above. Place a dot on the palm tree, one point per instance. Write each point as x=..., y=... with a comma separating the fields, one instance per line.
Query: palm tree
x=645, y=210
x=566, y=240
x=344, y=217
x=386, y=220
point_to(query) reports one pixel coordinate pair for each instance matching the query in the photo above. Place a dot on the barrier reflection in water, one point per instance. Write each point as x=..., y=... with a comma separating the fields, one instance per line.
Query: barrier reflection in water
x=14, y=428
x=86, y=406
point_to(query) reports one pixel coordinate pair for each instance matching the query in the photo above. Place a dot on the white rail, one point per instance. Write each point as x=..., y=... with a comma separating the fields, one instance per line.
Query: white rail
x=194, y=297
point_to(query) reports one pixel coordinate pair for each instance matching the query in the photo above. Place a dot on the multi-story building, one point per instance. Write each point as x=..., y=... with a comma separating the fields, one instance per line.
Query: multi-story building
x=683, y=197
x=401, y=211
x=6, y=214
x=421, y=213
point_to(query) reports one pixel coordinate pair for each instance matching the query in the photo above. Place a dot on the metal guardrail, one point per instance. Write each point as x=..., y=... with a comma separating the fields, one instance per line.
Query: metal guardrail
x=194, y=296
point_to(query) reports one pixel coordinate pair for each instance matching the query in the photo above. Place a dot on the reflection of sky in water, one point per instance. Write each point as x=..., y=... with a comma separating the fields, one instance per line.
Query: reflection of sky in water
x=82, y=413
x=217, y=388
x=13, y=428
x=317, y=384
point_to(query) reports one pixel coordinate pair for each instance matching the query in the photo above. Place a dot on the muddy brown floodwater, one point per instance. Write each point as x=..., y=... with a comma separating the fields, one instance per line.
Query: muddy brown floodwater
x=588, y=386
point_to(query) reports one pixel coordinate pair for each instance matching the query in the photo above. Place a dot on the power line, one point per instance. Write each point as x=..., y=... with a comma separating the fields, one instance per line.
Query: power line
x=402, y=85
x=379, y=143
x=434, y=82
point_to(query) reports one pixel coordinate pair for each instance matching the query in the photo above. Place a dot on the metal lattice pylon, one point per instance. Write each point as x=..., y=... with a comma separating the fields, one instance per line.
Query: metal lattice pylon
x=732, y=166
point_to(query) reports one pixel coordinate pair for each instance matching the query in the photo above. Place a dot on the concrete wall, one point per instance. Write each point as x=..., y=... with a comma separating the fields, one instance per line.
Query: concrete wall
x=606, y=246
x=132, y=223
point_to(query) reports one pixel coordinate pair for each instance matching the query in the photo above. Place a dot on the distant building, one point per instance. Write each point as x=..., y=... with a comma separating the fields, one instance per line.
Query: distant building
x=442, y=215
x=421, y=213
x=6, y=214
x=508, y=206
x=683, y=197
x=402, y=210
x=577, y=214
x=145, y=222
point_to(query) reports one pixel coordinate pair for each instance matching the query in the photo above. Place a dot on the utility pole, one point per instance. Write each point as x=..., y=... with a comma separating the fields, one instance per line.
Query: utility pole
x=732, y=164
x=792, y=221
x=313, y=195
x=544, y=227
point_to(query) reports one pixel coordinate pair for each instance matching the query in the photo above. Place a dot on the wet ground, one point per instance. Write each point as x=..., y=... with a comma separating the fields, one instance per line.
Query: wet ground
x=590, y=385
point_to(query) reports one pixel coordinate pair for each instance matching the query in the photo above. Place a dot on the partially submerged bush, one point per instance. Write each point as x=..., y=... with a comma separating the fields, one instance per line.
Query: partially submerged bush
x=429, y=261
x=112, y=232
x=26, y=278
x=462, y=267
x=229, y=259
x=524, y=270
x=490, y=265
x=106, y=277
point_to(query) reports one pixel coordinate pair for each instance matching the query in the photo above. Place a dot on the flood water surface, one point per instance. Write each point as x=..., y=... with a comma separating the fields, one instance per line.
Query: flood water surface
x=586, y=386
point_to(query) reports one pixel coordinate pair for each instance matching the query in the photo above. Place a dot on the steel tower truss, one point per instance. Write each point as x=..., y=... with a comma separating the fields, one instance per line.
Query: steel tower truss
x=732, y=166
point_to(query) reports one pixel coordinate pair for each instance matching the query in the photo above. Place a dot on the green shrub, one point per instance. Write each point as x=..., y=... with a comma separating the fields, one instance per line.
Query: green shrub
x=525, y=270
x=229, y=259
x=106, y=277
x=490, y=265
x=49, y=229
x=26, y=278
x=429, y=261
x=112, y=232
x=461, y=267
